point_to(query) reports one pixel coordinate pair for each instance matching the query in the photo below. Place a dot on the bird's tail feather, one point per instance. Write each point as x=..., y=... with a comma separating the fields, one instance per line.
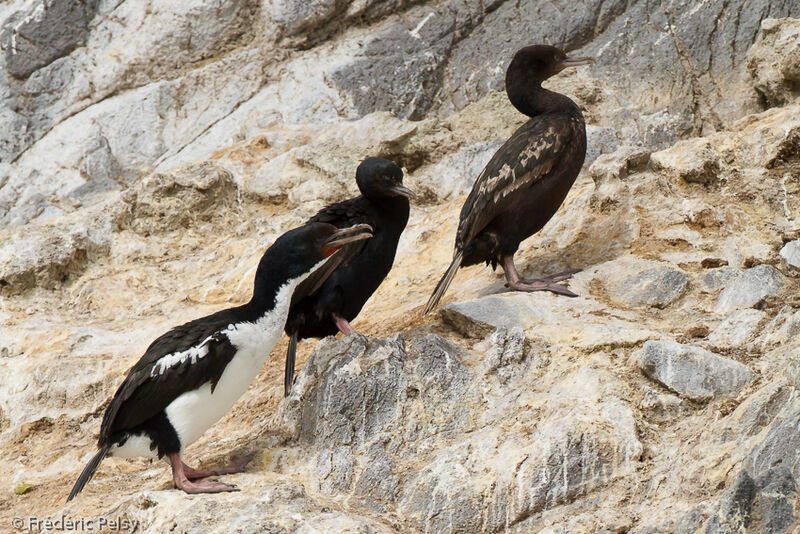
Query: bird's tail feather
x=443, y=284
x=291, y=353
x=88, y=472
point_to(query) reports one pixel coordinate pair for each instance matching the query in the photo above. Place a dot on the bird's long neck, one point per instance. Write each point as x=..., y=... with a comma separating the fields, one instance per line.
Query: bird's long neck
x=535, y=100
x=267, y=291
x=394, y=212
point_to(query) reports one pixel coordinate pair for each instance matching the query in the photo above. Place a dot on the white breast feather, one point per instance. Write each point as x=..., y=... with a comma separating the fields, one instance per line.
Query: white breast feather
x=195, y=411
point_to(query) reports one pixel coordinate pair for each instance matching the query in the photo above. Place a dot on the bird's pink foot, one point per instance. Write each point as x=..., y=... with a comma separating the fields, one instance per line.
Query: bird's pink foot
x=182, y=482
x=547, y=283
x=536, y=285
x=342, y=324
x=205, y=486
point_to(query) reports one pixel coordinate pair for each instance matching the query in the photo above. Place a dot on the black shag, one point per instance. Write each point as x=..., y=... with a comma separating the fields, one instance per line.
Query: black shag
x=528, y=177
x=383, y=204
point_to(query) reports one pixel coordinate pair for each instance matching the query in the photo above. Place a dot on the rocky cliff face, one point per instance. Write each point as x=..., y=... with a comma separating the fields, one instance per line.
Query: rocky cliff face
x=153, y=150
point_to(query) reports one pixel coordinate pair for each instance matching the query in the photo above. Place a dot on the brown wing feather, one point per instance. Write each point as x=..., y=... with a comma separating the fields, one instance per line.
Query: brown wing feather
x=527, y=156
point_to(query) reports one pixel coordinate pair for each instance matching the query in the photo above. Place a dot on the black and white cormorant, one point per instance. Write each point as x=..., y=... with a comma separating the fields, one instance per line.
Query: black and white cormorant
x=528, y=177
x=192, y=375
x=383, y=204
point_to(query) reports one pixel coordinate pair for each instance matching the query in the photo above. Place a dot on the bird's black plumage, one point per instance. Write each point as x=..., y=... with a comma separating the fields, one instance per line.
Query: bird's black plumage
x=197, y=353
x=383, y=204
x=528, y=177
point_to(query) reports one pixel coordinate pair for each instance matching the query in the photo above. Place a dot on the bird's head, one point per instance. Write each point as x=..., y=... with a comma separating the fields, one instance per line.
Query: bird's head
x=536, y=63
x=380, y=178
x=300, y=251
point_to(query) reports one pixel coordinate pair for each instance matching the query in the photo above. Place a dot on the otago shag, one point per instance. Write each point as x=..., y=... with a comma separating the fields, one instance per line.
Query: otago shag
x=191, y=376
x=527, y=179
x=383, y=204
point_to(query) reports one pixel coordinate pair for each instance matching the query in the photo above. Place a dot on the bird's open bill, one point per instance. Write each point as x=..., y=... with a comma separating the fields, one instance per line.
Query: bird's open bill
x=574, y=62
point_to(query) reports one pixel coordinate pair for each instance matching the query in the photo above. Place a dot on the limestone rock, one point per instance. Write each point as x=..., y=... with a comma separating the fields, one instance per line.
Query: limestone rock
x=44, y=32
x=177, y=199
x=693, y=160
x=747, y=289
x=719, y=277
x=558, y=320
x=793, y=370
x=791, y=253
x=618, y=164
x=455, y=174
x=48, y=255
x=377, y=395
x=662, y=406
x=657, y=287
x=599, y=140
x=692, y=372
x=737, y=328
x=772, y=60
x=782, y=329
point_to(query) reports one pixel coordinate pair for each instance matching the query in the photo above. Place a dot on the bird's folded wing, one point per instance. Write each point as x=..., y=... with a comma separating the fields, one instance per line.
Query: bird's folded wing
x=181, y=360
x=527, y=156
x=342, y=215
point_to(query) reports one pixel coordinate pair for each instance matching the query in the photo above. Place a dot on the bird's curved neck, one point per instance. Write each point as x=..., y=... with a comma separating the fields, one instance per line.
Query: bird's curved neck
x=535, y=100
x=266, y=290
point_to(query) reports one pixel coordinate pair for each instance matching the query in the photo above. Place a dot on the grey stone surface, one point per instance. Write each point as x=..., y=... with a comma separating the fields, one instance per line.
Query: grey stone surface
x=662, y=406
x=777, y=494
x=45, y=31
x=620, y=163
x=719, y=277
x=791, y=253
x=692, y=372
x=599, y=140
x=692, y=161
x=737, y=328
x=747, y=289
x=46, y=256
x=780, y=446
x=772, y=61
x=393, y=434
x=477, y=318
x=400, y=67
x=616, y=33
x=178, y=199
x=783, y=329
x=755, y=413
x=793, y=370
x=506, y=350
x=735, y=508
x=657, y=287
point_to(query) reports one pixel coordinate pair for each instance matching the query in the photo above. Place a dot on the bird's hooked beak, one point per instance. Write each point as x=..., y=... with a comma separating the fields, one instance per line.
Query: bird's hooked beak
x=403, y=191
x=573, y=62
x=346, y=235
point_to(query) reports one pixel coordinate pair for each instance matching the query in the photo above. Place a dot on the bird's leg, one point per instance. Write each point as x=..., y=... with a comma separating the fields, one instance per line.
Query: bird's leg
x=547, y=283
x=182, y=481
x=342, y=324
x=234, y=467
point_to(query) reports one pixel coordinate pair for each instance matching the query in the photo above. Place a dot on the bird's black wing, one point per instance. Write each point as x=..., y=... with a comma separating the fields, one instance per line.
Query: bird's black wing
x=162, y=375
x=342, y=215
x=528, y=155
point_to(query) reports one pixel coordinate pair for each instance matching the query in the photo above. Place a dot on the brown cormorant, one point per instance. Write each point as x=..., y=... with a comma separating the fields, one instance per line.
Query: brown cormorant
x=528, y=177
x=383, y=204
x=192, y=375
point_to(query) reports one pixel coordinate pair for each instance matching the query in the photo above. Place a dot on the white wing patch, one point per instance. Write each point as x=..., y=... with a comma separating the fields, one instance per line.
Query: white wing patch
x=176, y=358
x=241, y=334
